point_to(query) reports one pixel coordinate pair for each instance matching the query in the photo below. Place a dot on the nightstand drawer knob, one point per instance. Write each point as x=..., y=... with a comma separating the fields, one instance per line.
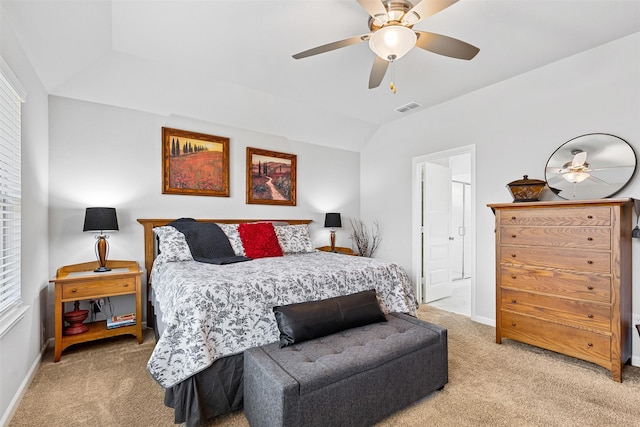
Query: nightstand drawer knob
x=513, y=276
x=125, y=285
x=590, y=287
x=513, y=323
x=590, y=344
x=513, y=301
x=589, y=262
x=590, y=239
x=513, y=217
x=590, y=216
x=590, y=316
x=513, y=255
x=513, y=236
x=74, y=290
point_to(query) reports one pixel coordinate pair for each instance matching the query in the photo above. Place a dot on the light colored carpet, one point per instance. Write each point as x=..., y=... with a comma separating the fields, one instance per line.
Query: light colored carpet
x=105, y=383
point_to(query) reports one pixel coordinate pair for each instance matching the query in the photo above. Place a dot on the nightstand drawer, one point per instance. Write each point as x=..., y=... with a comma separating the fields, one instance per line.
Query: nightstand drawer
x=91, y=289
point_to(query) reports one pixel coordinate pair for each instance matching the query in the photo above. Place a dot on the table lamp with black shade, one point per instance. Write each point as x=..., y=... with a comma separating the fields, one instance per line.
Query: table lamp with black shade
x=101, y=220
x=332, y=220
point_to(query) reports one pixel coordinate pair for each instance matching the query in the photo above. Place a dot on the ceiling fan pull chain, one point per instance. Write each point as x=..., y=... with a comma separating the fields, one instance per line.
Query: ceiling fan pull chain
x=392, y=86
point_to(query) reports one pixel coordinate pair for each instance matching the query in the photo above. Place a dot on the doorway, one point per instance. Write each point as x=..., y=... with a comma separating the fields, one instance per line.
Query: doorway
x=444, y=250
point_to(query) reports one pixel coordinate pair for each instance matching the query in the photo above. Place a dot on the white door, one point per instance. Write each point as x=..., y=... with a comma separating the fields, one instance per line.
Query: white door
x=436, y=226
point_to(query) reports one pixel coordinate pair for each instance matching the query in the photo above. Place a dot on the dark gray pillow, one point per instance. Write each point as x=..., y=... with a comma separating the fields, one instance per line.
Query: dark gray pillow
x=308, y=320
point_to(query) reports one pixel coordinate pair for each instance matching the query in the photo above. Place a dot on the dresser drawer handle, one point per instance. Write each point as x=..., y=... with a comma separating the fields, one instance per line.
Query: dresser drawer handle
x=513, y=236
x=590, y=287
x=74, y=290
x=590, y=239
x=513, y=301
x=590, y=344
x=513, y=323
x=589, y=262
x=590, y=316
x=125, y=285
x=590, y=216
x=513, y=255
x=513, y=276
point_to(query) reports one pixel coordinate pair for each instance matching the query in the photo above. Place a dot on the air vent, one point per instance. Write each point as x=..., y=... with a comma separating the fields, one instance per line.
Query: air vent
x=408, y=107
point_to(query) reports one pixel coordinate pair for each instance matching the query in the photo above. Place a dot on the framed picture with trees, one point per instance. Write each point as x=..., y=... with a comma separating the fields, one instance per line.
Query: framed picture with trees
x=194, y=163
x=271, y=177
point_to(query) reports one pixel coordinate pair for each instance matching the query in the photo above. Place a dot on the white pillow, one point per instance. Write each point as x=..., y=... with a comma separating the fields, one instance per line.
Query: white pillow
x=231, y=230
x=294, y=239
x=172, y=244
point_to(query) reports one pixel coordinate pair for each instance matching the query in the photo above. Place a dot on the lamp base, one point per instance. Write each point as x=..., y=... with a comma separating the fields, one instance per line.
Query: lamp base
x=75, y=319
x=101, y=269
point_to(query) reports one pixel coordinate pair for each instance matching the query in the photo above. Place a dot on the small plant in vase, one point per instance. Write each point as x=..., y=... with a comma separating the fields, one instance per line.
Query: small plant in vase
x=366, y=240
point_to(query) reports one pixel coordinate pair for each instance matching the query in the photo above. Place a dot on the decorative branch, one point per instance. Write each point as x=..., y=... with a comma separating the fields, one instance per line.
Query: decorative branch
x=366, y=241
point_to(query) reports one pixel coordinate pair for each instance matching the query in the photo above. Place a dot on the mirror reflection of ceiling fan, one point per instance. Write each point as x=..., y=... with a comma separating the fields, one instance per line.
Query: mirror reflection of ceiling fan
x=577, y=170
x=392, y=35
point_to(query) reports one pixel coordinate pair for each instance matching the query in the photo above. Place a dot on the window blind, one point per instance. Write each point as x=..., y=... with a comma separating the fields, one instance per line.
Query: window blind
x=10, y=191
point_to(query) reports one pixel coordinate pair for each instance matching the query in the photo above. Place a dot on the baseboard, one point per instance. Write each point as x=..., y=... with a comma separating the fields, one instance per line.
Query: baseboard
x=13, y=405
x=484, y=320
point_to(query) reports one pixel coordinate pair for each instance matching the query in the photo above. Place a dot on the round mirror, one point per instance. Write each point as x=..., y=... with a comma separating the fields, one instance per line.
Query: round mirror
x=592, y=166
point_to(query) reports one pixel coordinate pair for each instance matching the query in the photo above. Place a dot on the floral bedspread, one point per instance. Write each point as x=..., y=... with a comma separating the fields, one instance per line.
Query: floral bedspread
x=213, y=311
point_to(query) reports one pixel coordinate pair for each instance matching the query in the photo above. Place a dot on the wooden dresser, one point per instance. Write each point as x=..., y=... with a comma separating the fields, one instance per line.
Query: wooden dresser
x=563, y=278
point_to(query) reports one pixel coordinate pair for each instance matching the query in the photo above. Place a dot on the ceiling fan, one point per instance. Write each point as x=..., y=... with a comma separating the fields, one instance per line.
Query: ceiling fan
x=577, y=170
x=392, y=35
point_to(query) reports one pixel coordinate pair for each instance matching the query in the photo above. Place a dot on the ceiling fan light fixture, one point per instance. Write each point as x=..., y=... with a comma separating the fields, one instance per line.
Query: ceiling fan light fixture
x=392, y=42
x=576, y=177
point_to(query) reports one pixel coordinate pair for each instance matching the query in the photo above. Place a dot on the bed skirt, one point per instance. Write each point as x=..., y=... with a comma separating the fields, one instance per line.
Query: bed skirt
x=215, y=391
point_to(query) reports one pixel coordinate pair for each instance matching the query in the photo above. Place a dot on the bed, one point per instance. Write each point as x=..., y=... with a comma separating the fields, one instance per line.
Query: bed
x=206, y=314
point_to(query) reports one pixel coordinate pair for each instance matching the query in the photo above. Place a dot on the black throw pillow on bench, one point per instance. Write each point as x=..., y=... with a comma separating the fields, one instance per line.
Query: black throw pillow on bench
x=308, y=320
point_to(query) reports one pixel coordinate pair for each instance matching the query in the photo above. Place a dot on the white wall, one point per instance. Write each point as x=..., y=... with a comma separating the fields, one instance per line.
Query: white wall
x=110, y=156
x=20, y=348
x=516, y=125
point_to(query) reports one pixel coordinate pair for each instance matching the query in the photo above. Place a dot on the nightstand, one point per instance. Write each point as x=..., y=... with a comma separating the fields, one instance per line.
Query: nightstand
x=79, y=282
x=338, y=250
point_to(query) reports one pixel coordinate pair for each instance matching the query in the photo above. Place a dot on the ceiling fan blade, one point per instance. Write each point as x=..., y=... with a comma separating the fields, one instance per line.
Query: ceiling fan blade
x=331, y=46
x=595, y=178
x=554, y=180
x=378, y=71
x=376, y=9
x=446, y=46
x=425, y=9
x=579, y=159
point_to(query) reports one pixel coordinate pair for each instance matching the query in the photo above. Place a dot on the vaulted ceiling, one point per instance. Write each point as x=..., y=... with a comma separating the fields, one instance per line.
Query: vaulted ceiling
x=229, y=62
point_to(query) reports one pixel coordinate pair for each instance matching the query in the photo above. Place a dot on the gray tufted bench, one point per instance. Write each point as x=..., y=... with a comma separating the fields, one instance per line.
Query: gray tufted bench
x=351, y=378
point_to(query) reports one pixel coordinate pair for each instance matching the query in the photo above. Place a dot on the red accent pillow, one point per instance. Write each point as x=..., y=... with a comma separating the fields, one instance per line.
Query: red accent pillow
x=259, y=240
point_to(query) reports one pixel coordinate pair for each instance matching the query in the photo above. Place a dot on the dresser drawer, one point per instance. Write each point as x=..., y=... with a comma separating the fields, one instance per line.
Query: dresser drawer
x=578, y=313
x=96, y=289
x=582, y=237
x=590, y=346
x=575, y=259
x=583, y=216
x=571, y=284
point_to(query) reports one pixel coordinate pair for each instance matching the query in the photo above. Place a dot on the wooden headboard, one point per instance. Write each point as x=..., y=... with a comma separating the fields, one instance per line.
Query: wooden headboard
x=149, y=243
